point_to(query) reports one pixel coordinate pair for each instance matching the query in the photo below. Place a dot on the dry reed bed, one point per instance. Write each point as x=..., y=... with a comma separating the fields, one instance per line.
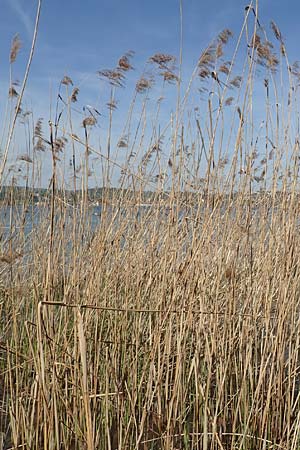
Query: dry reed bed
x=170, y=326
x=189, y=341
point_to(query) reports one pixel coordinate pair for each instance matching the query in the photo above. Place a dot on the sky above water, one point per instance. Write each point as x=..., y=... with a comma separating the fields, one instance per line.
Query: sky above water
x=77, y=38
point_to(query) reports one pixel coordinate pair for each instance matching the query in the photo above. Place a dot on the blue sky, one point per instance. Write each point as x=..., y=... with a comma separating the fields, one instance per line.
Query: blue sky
x=78, y=38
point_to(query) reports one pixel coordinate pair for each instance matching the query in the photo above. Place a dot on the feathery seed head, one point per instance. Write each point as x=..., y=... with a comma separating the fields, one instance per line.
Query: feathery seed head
x=12, y=92
x=67, y=81
x=59, y=144
x=236, y=81
x=169, y=76
x=89, y=121
x=276, y=31
x=143, y=85
x=229, y=101
x=25, y=158
x=114, y=76
x=124, y=62
x=225, y=35
x=74, y=94
x=162, y=59
x=15, y=47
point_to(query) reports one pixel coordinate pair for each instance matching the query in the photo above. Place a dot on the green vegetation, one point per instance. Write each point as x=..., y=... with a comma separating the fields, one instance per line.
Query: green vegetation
x=174, y=326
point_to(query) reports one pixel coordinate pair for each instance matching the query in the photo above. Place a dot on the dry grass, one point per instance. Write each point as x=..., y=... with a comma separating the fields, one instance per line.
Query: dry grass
x=174, y=325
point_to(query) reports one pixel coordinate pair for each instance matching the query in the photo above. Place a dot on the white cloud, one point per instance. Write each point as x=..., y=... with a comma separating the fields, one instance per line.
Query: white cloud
x=23, y=16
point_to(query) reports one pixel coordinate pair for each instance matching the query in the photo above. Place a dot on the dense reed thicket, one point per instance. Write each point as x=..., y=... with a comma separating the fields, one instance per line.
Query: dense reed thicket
x=166, y=316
